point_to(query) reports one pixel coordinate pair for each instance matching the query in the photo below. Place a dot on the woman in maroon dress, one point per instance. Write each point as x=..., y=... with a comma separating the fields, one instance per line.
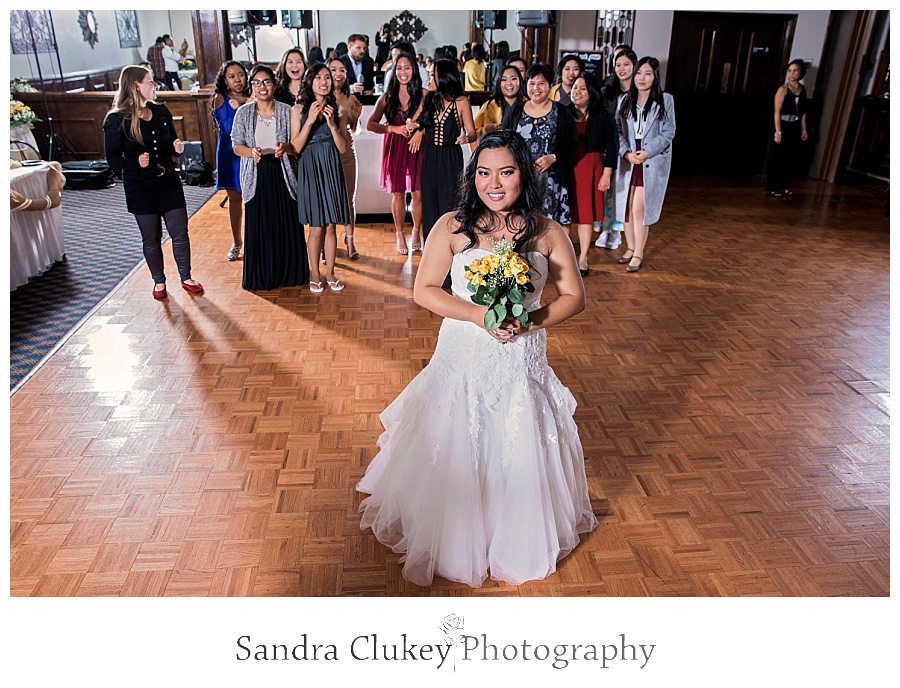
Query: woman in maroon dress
x=400, y=165
x=593, y=162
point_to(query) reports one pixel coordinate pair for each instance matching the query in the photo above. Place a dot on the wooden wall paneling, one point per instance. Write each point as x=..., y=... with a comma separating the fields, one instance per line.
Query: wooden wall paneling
x=212, y=45
x=78, y=120
x=542, y=42
x=207, y=131
x=83, y=129
x=835, y=138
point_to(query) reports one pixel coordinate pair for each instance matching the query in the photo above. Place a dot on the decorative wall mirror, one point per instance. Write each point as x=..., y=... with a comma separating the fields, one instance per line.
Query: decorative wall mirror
x=88, y=23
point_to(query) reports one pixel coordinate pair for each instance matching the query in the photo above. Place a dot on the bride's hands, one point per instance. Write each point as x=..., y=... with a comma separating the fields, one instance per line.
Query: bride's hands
x=508, y=329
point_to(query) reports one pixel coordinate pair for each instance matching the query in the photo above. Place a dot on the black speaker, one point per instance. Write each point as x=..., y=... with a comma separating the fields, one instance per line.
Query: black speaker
x=297, y=19
x=538, y=19
x=262, y=17
x=491, y=19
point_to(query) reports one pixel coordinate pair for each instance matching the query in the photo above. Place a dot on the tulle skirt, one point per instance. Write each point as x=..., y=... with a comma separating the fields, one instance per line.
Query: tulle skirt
x=480, y=470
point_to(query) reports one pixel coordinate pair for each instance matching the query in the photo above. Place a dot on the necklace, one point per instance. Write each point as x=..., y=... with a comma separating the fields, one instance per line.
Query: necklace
x=266, y=122
x=500, y=229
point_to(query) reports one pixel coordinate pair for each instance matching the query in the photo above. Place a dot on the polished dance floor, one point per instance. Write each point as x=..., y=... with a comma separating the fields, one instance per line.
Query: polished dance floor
x=733, y=403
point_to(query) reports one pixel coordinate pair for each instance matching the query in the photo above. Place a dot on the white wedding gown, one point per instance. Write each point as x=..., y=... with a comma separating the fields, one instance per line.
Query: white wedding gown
x=480, y=471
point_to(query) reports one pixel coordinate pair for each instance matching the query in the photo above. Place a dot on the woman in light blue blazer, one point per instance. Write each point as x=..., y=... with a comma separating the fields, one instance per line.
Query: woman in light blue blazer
x=646, y=120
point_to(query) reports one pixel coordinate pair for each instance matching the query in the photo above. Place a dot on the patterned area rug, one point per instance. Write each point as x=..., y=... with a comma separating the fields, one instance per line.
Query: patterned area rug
x=103, y=247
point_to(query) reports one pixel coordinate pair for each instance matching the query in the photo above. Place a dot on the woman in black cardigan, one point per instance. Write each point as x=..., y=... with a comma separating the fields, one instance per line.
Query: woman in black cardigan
x=140, y=140
x=549, y=130
x=593, y=162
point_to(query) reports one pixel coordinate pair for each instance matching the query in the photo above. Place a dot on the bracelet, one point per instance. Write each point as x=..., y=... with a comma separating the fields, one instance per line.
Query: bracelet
x=777, y=133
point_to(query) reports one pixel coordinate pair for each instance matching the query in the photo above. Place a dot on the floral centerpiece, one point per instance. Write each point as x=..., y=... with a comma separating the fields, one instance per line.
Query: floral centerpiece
x=500, y=281
x=20, y=85
x=21, y=115
x=186, y=63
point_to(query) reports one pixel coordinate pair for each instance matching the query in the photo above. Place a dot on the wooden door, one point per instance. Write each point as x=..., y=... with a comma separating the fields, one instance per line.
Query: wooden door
x=724, y=68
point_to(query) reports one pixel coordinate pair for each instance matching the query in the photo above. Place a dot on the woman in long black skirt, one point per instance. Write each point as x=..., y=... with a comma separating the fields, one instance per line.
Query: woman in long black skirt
x=274, y=246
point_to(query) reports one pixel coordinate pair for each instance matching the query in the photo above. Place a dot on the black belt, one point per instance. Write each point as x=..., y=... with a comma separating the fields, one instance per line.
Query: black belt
x=162, y=170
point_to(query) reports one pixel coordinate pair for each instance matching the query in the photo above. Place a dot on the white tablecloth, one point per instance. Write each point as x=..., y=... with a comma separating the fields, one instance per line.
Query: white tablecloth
x=187, y=78
x=35, y=236
x=370, y=197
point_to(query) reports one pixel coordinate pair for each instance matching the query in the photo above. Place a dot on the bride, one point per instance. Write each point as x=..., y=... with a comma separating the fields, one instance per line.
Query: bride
x=480, y=470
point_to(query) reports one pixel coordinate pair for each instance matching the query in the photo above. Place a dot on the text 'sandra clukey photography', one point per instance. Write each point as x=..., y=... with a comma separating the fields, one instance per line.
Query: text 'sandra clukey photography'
x=452, y=649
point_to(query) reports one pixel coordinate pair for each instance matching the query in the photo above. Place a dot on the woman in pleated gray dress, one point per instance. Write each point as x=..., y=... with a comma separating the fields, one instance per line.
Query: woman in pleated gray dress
x=320, y=137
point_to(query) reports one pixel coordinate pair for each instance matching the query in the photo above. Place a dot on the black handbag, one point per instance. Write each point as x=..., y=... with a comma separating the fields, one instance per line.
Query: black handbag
x=195, y=171
x=198, y=173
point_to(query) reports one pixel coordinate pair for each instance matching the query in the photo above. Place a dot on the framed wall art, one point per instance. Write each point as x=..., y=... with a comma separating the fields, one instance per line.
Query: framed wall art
x=27, y=24
x=129, y=31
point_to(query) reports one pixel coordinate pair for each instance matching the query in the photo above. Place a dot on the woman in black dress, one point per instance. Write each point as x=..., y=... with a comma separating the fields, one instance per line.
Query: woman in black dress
x=140, y=139
x=791, y=105
x=619, y=84
x=383, y=42
x=569, y=69
x=445, y=124
x=289, y=76
x=274, y=246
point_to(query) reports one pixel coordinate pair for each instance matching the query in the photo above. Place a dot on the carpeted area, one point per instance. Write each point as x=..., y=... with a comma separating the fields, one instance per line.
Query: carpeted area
x=103, y=246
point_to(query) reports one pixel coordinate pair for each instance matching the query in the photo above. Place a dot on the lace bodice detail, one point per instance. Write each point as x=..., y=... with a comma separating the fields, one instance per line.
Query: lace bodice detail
x=537, y=262
x=468, y=361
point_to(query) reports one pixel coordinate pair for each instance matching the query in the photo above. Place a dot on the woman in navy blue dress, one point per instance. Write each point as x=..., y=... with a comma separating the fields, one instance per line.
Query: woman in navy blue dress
x=232, y=91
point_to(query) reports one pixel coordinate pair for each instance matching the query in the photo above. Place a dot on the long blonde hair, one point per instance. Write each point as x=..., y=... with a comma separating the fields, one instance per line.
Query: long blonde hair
x=128, y=98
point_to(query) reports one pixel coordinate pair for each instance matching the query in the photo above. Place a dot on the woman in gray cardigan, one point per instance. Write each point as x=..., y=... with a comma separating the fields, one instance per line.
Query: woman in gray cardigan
x=274, y=245
x=646, y=122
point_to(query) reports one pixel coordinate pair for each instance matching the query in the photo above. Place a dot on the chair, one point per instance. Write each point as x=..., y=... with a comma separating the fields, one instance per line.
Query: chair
x=22, y=150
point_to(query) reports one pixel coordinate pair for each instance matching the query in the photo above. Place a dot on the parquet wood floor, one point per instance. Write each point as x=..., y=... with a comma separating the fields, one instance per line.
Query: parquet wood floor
x=733, y=403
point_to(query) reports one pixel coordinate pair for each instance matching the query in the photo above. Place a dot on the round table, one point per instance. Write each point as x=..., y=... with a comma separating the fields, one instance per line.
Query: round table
x=35, y=236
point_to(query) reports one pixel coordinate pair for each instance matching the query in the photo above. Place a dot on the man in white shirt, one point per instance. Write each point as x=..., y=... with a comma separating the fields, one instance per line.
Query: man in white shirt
x=171, y=58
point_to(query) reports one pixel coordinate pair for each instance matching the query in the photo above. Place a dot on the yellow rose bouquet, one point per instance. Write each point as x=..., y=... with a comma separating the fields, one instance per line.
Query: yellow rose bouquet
x=500, y=281
x=20, y=114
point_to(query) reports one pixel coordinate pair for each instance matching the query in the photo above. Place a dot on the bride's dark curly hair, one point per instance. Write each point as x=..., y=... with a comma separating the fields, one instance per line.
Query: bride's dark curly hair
x=306, y=97
x=474, y=216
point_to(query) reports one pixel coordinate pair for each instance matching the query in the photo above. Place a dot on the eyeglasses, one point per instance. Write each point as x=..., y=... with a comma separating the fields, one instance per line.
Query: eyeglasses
x=264, y=82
